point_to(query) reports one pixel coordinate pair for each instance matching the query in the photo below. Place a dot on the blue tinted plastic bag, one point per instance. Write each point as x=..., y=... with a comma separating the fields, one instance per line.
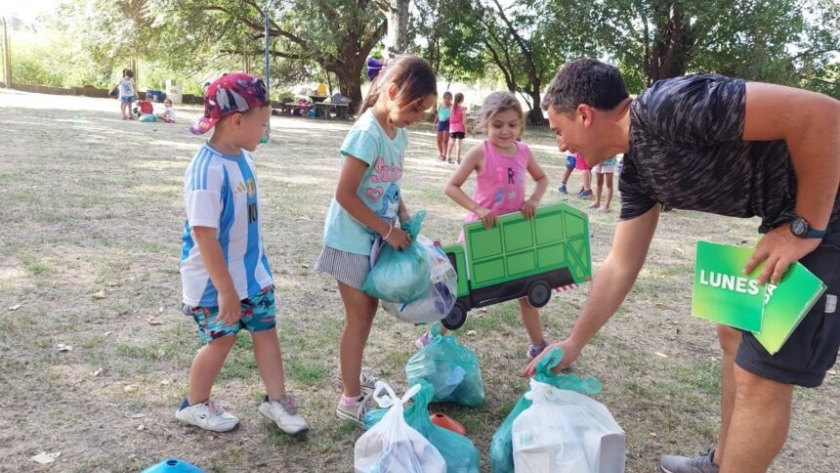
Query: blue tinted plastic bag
x=501, y=446
x=451, y=368
x=439, y=299
x=460, y=454
x=401, y=276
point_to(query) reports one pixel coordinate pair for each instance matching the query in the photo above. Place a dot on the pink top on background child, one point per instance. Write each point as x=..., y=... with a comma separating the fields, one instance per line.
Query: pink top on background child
x=500, y=185
x=580, y=164
x=456, y=120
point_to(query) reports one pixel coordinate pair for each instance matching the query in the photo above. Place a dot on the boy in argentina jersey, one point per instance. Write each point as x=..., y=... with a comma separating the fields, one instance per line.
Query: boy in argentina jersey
x=226, y=279
x=728, y=147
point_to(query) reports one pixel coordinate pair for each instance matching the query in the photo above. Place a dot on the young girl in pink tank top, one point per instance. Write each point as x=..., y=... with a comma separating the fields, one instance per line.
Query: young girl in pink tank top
x=502, y=165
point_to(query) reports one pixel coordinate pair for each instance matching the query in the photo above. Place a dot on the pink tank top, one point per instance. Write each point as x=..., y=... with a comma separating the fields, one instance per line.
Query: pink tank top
x=456, y=120
x=500, y=185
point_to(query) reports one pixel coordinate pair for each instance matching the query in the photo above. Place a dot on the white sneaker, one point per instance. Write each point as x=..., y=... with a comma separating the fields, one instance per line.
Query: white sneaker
x=284, y=414
x=207, y=415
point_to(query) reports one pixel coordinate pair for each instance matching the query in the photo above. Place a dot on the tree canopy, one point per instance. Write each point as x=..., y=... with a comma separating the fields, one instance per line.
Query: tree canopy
x=517, y=43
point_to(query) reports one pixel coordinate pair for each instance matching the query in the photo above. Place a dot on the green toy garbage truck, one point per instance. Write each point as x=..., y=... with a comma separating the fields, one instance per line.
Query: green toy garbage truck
x=519, y=258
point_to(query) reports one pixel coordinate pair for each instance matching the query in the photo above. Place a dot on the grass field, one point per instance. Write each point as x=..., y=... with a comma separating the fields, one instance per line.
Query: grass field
x=91, y=214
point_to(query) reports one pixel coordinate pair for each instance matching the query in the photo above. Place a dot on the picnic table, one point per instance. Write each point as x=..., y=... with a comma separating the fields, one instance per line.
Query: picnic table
x=326, y=110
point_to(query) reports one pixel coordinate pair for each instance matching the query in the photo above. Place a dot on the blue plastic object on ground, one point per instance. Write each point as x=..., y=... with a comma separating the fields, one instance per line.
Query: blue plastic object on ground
x=173, y=465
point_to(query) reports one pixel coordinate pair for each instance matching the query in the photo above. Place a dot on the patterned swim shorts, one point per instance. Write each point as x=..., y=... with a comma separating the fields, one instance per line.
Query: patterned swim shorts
x=257, y=315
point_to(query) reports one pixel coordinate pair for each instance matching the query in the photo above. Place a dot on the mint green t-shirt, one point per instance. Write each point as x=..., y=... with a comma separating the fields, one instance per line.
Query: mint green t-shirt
x=380, y=186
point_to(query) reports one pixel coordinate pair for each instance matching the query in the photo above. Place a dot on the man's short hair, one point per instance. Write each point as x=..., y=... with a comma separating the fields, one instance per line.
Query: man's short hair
x=585, y=81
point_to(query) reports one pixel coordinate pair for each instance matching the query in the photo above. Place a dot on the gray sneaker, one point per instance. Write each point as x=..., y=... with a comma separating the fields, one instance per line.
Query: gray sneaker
x=699, y=464
x=367, y=381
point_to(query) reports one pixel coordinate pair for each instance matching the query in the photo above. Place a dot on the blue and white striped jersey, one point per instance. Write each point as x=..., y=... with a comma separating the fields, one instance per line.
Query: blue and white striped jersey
x=220, y=191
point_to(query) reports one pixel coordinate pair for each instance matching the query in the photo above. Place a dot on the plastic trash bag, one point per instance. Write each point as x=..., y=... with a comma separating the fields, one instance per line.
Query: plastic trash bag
x=566, y=432
x=458, y=451
x=392, y=446
x=400, y=276
x=501, y=446
x=439, y=299
x=451, y=368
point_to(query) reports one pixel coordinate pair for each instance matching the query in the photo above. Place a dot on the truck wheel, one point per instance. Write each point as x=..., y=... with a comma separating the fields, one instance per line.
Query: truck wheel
x=455, y=318
x=539, y=294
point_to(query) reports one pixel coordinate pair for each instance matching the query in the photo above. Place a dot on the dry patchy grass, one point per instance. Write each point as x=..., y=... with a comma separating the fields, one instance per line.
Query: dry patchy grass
x=91, y=203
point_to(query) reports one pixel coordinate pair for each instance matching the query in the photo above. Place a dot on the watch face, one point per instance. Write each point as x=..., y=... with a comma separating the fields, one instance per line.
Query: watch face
x=798, y=226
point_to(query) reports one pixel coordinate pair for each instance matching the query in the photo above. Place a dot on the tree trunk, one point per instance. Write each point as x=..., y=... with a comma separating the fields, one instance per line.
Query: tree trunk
x=397, y=16
x=535, y=116
x=671, y=46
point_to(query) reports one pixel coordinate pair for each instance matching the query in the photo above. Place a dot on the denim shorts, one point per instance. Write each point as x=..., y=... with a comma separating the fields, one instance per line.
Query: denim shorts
x=812, y=348
x=257, y=315
x=127, y=99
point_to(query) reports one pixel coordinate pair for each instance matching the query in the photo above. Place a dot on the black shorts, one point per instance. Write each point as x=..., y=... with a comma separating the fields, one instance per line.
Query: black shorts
x=458, y=135
x=812, y=348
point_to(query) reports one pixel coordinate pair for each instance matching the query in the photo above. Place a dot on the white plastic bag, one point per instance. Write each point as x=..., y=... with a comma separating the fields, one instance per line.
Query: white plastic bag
x=566, y=432
x=440, y=298
x=392, y=446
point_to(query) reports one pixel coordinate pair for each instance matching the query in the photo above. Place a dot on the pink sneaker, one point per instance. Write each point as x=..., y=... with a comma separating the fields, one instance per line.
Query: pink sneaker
x=424, y=340
x=534, y=351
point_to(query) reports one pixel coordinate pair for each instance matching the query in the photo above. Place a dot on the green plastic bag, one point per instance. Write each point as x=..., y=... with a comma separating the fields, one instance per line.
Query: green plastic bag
x=460, y=454
x=501, y=446
x=400, y=275
x=451, y=368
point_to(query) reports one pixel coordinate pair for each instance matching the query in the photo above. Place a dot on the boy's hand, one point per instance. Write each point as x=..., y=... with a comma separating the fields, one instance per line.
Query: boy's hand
x=529, y=208
x=230, y=310
x=487, y=216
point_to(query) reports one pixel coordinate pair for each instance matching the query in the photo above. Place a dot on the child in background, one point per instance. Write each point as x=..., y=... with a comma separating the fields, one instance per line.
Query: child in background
x=168, y=114
x=368, y=209
x=571, y=161
x=500, y=164
x=457, y=128
x=442, y=125
x=128, y=92
x=144, y=107
x=604, y=172
x=586, y=175
x=226, y=278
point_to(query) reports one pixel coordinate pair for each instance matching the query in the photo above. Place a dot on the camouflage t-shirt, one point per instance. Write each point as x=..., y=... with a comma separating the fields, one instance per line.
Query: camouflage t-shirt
x=686, y=151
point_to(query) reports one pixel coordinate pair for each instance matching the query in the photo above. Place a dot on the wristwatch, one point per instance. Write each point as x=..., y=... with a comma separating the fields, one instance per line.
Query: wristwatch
x=801, y=228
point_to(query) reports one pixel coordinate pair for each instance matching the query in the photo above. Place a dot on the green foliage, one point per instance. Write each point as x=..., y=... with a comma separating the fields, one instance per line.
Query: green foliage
x=517, y=45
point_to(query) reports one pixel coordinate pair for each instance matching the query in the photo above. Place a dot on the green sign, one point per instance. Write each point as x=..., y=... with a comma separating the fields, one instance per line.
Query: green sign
x=788, y=303
x=724, y=294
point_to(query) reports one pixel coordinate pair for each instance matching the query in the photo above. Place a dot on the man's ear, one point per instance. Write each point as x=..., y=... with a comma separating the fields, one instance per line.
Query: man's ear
x=586, y=113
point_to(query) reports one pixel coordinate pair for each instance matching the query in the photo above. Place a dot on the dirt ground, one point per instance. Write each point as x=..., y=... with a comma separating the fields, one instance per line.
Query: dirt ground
x=94, y=352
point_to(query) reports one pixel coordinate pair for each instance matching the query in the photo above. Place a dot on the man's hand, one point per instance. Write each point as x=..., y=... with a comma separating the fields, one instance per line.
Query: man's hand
x=230, y=310
x=570, y=354
x=778, y=250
